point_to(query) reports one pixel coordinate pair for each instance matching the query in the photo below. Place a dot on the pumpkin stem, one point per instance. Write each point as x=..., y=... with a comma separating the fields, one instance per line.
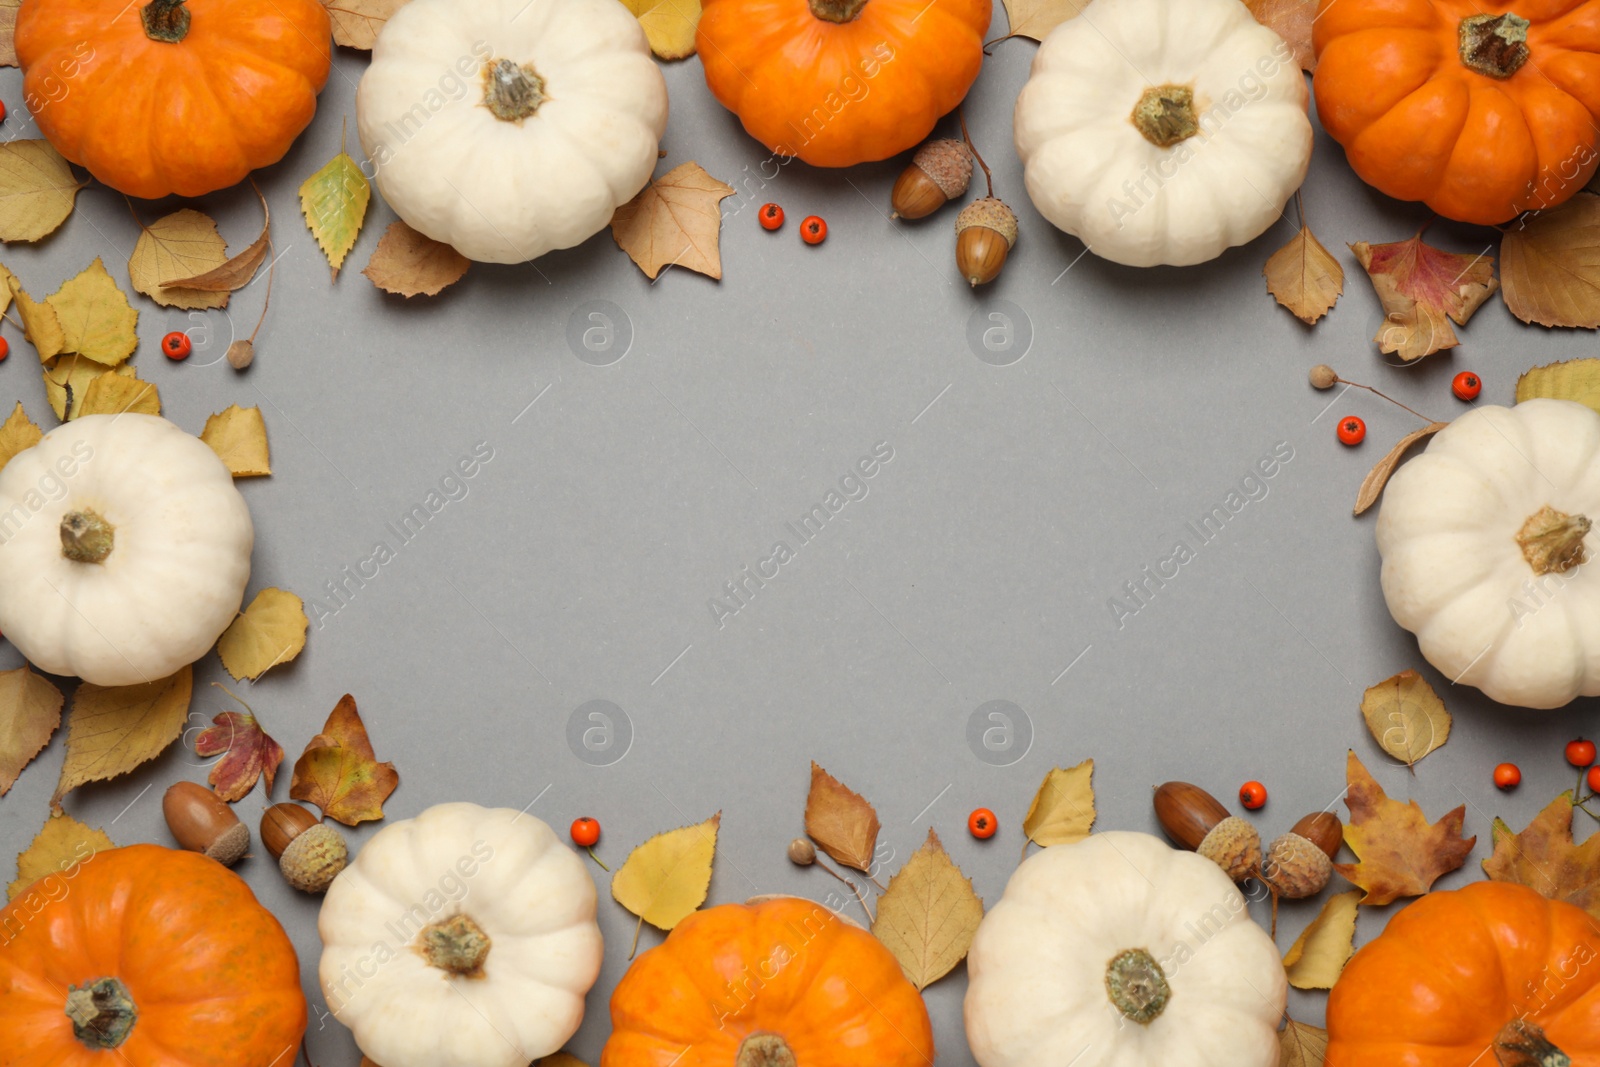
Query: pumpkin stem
x=1165, y=115
x=837, y=10
x=1522, y=1043
x=86, y=537
x=764, y=1049
x=1552, y=540
x=457, y=945
x=165, y=20
x=102, y=1013
x=1494, y=45
x=510, y=92
x=1137, y=986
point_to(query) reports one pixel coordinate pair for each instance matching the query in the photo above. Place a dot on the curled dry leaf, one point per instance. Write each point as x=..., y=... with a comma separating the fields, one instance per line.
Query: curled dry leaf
x=1035, y=19
x=74, y=373
x=1401, y=854
x=1063, y=809
x=179, y=245
x=272, y=630
x=1325, y=945
x=674, y=222
x=1301, y=1045
x=239, y=438
x=338, y=771
x=39, y=323
x=1543, y=857
x=1406, y=716
x=928, y=914
x=30, y=711
x=1303, y=276
x=233, y=273
x=248, y=754
x=1378, y=477
x=1576, y=379
x=113, y=730
x=841, y=821
x=665, y=879
x=96, y=319
x=408, y=264
x=57, y=849
x=668, y=25
x=1550, y=264
x=114, y=393
x=1291, y=20
x=17, y=434
x=37, y=190
x=334, y=201
x=356, y=22
x=1422, y=291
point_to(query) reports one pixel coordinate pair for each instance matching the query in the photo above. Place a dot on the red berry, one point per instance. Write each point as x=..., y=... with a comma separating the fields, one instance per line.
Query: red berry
x=1593, y=778
x=1352, y=430
x=1507, y=776
x=1466, y=386
x=1253, y=795
x=813, y=230
x=5, y=346
x=982, y=823
x=1580, y=753
x=771, y=216
x=585, y=831
x=176, y=345
x=2, y=110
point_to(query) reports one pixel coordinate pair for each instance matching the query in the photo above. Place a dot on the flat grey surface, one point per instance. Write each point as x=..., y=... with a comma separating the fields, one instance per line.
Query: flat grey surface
x=581, y=562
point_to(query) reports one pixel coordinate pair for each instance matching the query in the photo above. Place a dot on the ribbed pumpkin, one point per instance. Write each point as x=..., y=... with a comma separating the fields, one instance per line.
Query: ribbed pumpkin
x=839, y=82
x=146, y=957
x=1479, y=110
x=1465, y=977
x=776, y=983
x=174, y=96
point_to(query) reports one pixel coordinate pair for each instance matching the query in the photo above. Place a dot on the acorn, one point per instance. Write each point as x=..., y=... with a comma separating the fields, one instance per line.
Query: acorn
x=310, y=853
x=1299, y=863
x=986, y=230
x=1197, y=821
x=938, y=173
x=202, y=822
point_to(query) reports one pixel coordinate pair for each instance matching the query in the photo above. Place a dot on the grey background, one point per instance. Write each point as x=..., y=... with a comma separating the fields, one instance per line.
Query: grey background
x=620, y=498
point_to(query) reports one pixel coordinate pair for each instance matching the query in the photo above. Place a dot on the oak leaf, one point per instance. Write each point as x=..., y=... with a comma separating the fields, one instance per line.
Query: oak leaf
x=338, y=771
x=1406, y=717
x=668, y=25
x=675, y=221
x=1291, y=20
x=356, y=23
x=665, y=879
x=1378, y=477
x=408, y=264
x=247, y=754
x=58, y=849
x=1422, y=291
x=116, y=394
x=1063, y=809
x=1543, y=857
x=114, y=729
x=39, y=323
x=272, y=630
x=30, y=711
x=177, y=246
x=841, y=821
x=1036, y=18
x=1325, y=945
x=1301, y=1045
x=37, y=190
x=96, y=319
x=239, y=438
x=17, y=434
x=1304, y=277
x=334, y=201
x=1400, y=853
x=1550, y=264
x=74, y=373
x=928, y=914
x=1576, y=379
x=234, y=272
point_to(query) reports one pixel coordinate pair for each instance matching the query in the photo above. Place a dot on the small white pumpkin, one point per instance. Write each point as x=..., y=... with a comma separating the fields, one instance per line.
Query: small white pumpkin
x=464, y=937
x=124, y=549
x=508, y=128
x=1120, y=950
x=1488, y=555
x=1163, y=131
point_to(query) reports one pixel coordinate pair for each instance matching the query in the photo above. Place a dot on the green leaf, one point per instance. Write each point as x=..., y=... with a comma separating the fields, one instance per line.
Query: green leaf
x=96, y=319
x=334, y=201
x=1577, y=379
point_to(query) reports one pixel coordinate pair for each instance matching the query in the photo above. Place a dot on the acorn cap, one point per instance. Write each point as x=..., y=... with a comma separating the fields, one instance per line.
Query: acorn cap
x=1233, y=845
x=991, y=213
x=1296, y=867
x=314, y=858
x=948, y=163
x=231, y=845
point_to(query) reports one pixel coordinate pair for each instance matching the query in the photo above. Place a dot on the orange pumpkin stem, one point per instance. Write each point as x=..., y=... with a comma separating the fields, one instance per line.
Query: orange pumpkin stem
x=1522, y=1043
x=165, y=20
x=1552, y=540
x=1494, y=45
x=86, y=537
x=1165, y=115
x=764, y=1049
x=457, y=945
x=837, y=10
x=102, y=1013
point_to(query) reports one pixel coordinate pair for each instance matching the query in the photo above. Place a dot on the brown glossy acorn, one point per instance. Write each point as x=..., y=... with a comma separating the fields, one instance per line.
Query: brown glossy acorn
x=1322, y=829
x=310, y=853
x=938, y=173
x=202, y=822
x=1197, y=821
x=986, y=231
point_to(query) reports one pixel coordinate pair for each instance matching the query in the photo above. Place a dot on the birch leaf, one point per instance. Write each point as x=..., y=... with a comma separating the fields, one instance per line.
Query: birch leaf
x=37, y=190
x=1406, y=717
x=1063, y=809
x=30, y=711
x=1304, y=277
x=665, y=879
x=928, y=914
x=239, y=437
x=841, y=821
x=1325, y=945
x=17, y=434
x=674, y=222
x=177, y=246
x=96, y=319
x=272, y=630
x=113, y=730
x=334, y=201
x=57, y=850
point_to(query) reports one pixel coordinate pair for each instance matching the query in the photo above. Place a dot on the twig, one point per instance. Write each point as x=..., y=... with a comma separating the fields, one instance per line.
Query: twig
x=967, y=137
x=853, y=887
x=1386, y=396
x=597, y=859
x=637, y=930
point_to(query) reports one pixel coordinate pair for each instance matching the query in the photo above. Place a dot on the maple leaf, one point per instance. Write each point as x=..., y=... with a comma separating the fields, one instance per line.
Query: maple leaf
x=928, y=914
x=338, y=771
x=247, y=754
x=1304, y=277
x=408, y=264
x=1422, y=291
x=1400, y=853
x=1035, y=19
x=674, y=221
x=665, y=879
x=1291, y=20
x=1550, y=264
x=1543, y=857
x=1406, y=717
x=1063, y=809
x=841, y=821
x=1378, y=477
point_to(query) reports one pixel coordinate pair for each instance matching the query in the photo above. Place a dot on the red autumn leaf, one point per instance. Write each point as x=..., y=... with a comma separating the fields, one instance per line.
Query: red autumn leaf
x=338, y=771
x=1422, y=291
x=247, y=754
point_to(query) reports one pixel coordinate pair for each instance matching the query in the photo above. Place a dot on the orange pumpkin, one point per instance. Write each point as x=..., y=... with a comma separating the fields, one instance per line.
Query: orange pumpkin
x=1466, y=977
x=146, y=957
x=172, y=97
x=770, y=984
x=838, y=82
x=1481, y=110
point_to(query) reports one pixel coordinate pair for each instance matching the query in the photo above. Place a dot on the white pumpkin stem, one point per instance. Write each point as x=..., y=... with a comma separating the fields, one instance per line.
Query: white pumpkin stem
x=1552, y=540
x=764, y=1049
x=86, y=537
x=457, y=945
x=1495, y=46
x=511, y=92
x=102, y=1013
x=1137, y=986
x=1521, y=1043
x=1165, y=115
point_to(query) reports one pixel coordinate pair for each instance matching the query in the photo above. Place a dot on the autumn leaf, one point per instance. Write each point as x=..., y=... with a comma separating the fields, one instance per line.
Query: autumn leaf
x=408, y=264
x=8, y=29
x=1400, y=854
x=95, y=316
x=1422, y=291
x=30, y=711
x=1301, y=1045
x=1036, y=18
x=665, y=879
x=177, y=246
x=1303, y=276
x=17, y=434
x=334, y=201
x=674, y=222
x=1291, y=20
x=272, y=630
x=338, y=771
x=356, y=22
x=247, y=754
x=116, y=394
x=559, y=1059
x=59, y=848
x=1063, y=809
x=1576, y=379
x=1543, y=857
x=239, y=438
x=74, y=372
x=928, y=914
x=1325, y=945
x=668, y=25
x=1406, y=717
x=1550, y=264
x=1378, y=477
x=114, y=729
x=37, y=190
x=235, y=272
x=841, y=821
x=39, y=323
x=7, y=279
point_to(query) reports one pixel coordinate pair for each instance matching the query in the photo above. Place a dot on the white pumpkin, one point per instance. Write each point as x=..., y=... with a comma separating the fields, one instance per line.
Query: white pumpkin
x=1118, y=950
x=1163, y=131
x=1488, y=553
x=508, y=128
x=124, y=549
x=464, y=937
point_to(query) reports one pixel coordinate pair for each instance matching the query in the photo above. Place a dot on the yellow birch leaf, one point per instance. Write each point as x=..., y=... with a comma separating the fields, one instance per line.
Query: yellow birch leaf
x=239, y=436
x=668, y=25
x=1063, y=809
x=37, y=190
x=58, y=849
x=96, y=319
x=1576, y=379
x=179, y=245
x=334, y=201
x=1325, y=945
x=17, y=434
x=116, y=394
x=74, y=372
x=39, y=323
x=928, y=914
x=1301, y=1045
x=30, y=711
x=665, y=879
x=272, y=630
x=1304, y=277
x=1406, y=716
x=7, y=279
x=675, y=221
x=114, y=729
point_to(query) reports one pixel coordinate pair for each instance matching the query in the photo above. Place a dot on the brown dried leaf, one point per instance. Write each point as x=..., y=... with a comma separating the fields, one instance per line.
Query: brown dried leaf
x=1303, y=276
x=57, y=850
x=39, y=323
x=1302, y=1046
x=1422, y=291
x=928, y=914
x=1400, y=853
x=1543, y=857
x=1291, y=20
x=338, y=771
x=247, y=754
x=560, y=1059
x=8, y=30
x=1406, y=717
x=1550, y=264
x=1576, y=379
x=1036, y=18
x=1063, y=809
x=356, y=23
x=234, y=273
x=37, y=190
x=113, y=730
x=674, y=221
x=177, y=246
x=841, y=821
x=408, y=264
x=17, y=434
x=74, y=372
x=272, y=630
x=1378, y=477
x=239, y=437
x=30, y=711
x=1325, y=945
x=114, y=394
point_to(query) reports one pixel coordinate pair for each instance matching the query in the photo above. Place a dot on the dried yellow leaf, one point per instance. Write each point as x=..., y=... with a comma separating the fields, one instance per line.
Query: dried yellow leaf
x=115, y=394
x=928, y=914
x=1063, y=809
x=1304, y=277
x=30, y=711
x=179, y=245
x=1550, y=264
x=8, y=29
x=75, y=373
x=1576, y=379
x=57, y=850
x=39, y=323
x=334, y=201
x=1378, y=477
x=408, y=264
x=675, y=221
x=1036, y=18
x=272, y=630
x=356, y=23
x=17, y=434
x=239, y=436
x=1406, y=716
x=668, y=25
x=234, y=273
x=113, y=730
x=37, y=190
x=841, y=821
x=7, y=279
x=1301, y=1045
x=665, y=879
x=96, y=319
x=1325, y=945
